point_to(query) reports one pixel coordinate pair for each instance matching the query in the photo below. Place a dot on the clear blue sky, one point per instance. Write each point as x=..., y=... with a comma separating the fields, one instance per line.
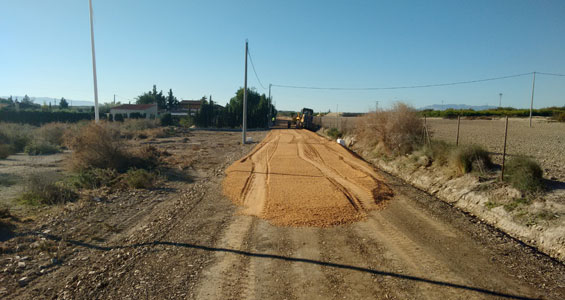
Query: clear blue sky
x=197, y=48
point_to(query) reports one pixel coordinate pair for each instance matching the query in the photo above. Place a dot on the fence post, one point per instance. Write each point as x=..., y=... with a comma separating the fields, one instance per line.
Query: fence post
x=504, y=149
x=457, y=138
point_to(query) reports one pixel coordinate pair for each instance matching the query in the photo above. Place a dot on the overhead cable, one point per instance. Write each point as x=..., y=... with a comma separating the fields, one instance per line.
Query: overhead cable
x=400, y=87
x=254, y=71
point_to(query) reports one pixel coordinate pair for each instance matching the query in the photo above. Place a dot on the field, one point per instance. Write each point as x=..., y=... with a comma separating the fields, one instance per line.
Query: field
x=545, y=141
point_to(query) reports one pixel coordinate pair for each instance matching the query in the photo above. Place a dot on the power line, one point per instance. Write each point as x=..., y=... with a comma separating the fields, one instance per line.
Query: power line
x=406, y=87
x=254, y=71
x=550, y=74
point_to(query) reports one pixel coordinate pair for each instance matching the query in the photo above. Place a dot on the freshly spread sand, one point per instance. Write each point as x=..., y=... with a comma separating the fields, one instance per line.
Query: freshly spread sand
x=297, y=178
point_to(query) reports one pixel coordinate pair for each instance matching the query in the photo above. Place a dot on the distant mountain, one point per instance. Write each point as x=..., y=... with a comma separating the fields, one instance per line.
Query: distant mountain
x=53, y=101
x=457, y=106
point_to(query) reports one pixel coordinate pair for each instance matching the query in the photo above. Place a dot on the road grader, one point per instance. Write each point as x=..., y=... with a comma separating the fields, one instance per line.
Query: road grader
x=305, y=119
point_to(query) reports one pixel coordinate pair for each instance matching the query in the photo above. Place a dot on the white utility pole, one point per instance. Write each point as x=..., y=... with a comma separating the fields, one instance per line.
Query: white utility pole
x=96, y=117
x=244, y=129
x=270, y=107
x=500, y=100
x=532, y=103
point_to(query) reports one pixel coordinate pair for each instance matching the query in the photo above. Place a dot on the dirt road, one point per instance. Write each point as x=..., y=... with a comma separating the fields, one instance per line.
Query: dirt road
x=297, y=178
x=188, y=241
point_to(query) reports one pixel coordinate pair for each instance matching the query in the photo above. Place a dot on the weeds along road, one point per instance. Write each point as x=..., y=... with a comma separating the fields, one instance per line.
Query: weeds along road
x=312, y=221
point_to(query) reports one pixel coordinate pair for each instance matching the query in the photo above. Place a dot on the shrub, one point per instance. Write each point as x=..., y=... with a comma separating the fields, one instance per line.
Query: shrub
x=166, y=119
x=16, y=135
x=471, y=158
x=186, y=122
x=42, y=189
x=334, y=133
x=439, y=151
x=524, y=174
x=40, y=148
x=93, y=178
x=398, y=130
x=140, y=179
x=119, y=118
x=5, y=151
x=97, y=146
x=6, y=217
x=52, y=133
x=139, y=124
x=559, y=117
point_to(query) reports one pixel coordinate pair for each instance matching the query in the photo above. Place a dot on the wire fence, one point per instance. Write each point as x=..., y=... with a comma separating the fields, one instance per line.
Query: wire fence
x=543, y=142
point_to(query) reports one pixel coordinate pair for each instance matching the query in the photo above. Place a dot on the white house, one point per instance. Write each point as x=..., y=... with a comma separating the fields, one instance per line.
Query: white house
x=147, y=110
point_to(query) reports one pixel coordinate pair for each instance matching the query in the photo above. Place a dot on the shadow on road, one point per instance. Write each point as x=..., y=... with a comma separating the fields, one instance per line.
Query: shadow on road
x=285, y=258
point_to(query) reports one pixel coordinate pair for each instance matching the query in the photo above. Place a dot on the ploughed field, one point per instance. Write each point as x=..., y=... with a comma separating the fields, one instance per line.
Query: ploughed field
x=545, y=141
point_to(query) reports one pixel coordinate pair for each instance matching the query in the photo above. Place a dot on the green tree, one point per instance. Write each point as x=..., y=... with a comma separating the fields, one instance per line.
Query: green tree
x=172, y=101
x=63, y=104
x=153, y=97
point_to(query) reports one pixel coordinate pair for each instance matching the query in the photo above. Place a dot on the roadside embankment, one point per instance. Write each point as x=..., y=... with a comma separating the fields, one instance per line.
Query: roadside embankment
x=536, y=221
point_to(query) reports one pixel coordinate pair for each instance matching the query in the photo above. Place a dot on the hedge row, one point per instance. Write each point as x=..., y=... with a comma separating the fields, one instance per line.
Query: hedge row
x=453, y=113
x=42, y=117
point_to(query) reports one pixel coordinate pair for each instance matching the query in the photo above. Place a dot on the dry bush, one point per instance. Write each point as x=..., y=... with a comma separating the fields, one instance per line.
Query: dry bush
x=52, y=133
x=5, y=151
x=97, y=146
x=466, y=159
x=41, y=148
x=525, y=174
x=140, y=179
x=397, y=131
x=44, y=189
x=17, y=136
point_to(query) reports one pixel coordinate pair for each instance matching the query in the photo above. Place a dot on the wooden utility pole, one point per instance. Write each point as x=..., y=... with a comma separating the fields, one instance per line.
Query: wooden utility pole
x=457, y=137
x=532, y=103
x=96, y=117
x=504, y=149
x=244, y=129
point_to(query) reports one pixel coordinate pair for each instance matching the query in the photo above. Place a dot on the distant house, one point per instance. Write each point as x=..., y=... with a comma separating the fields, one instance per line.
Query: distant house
x=148, y=111
x=190, y=106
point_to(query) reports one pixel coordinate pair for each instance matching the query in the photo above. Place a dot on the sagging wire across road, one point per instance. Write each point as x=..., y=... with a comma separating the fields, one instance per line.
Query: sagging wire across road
x=412, y=86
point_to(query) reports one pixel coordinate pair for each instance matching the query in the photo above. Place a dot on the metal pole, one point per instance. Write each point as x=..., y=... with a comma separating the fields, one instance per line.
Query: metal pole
x=532, y=103
x=244, y=129
x=457, y=138
x=500, y=100
x=337, y=116
x=96, y=117
x=114, y=99
x=504, y=149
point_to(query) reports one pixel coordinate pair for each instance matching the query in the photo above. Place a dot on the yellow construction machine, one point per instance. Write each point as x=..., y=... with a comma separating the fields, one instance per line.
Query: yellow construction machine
x=305, y=119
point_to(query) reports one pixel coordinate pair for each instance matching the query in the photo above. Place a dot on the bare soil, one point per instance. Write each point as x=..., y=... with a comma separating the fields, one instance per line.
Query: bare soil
x=186, y=240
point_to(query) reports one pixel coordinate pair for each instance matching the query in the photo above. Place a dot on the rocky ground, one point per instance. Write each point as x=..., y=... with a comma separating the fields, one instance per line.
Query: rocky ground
x=186, y=240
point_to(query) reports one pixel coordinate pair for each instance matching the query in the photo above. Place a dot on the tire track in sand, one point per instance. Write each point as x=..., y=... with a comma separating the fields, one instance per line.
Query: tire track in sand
x=291, y=179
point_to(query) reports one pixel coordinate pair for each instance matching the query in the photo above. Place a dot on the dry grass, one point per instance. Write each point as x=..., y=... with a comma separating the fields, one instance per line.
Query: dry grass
x=466, y=159
x=397, y=131
x=42, y=189
x=97, y=146
x=524, y=174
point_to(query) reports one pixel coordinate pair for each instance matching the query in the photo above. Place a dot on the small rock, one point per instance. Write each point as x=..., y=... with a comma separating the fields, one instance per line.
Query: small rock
x=21, y=264
x=23, y=281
